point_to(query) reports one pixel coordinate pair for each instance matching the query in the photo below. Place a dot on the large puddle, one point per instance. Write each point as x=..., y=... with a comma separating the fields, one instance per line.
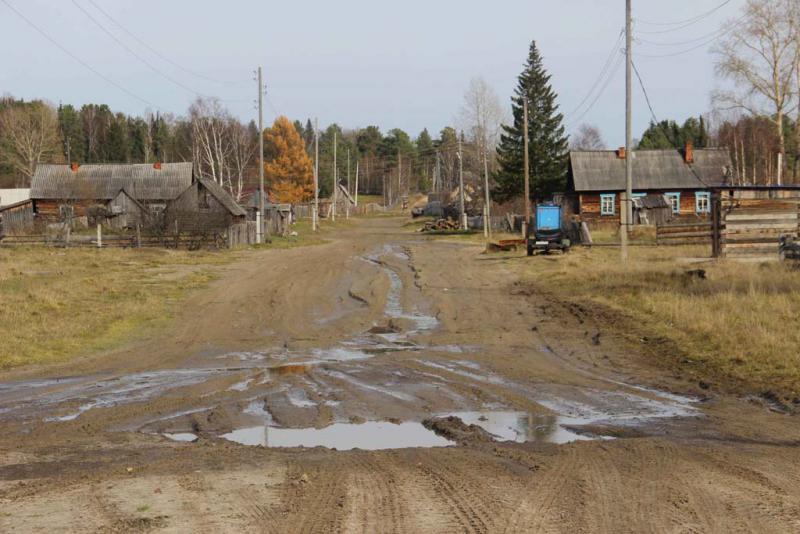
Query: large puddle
x=341, y=436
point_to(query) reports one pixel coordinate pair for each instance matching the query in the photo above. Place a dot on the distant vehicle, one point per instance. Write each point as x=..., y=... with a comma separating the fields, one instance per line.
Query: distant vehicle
x=548, y=234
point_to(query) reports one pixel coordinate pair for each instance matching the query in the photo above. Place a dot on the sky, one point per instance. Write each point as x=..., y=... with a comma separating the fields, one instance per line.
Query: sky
x=358, y=62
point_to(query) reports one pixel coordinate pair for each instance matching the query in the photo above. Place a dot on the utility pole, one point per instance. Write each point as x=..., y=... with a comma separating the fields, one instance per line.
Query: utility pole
x=260, y=218
x=526, y=163
x=399, y=177
x=315, y=208
x=349, y=190
x=487, y=209
x=335, y=179
x=356, y=199
x=461, y=213
x=627, y=213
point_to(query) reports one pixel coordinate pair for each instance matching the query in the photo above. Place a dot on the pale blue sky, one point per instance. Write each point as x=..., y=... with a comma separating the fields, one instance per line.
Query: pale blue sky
x=398, y=64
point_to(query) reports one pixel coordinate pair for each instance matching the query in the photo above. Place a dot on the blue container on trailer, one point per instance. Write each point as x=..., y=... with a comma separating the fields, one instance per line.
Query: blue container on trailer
x=548, y=217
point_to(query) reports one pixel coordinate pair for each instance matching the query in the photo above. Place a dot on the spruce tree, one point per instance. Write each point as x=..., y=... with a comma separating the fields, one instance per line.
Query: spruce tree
x=548, y=144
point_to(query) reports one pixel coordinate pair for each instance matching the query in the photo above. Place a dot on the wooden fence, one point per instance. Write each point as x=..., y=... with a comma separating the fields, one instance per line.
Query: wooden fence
x=752, y=229
x=690, y=233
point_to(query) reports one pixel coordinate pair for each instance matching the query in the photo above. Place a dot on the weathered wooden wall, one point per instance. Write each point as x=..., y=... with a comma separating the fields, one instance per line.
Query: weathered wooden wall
x=589, y=206
x=16, y=218
x=752, y=227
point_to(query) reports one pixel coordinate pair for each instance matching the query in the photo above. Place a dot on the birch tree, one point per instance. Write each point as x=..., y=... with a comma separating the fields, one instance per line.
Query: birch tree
x=28, y=136
x=759, y=57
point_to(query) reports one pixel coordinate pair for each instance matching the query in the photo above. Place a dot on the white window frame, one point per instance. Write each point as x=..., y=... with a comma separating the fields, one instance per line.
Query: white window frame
x=676, y=205
x=604, y=208
x=702, y=198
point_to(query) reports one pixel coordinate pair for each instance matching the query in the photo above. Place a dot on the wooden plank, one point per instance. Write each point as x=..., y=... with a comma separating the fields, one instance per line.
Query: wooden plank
x=763, y=226
x=681, y=235
x=736, y=216
x=686, y=225
x=766, y=240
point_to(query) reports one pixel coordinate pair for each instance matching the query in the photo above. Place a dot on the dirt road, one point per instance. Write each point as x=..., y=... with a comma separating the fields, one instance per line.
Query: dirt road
x=386, y=382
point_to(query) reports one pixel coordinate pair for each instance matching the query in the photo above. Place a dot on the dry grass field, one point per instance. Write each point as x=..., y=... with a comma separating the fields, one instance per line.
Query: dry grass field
x=739, y=326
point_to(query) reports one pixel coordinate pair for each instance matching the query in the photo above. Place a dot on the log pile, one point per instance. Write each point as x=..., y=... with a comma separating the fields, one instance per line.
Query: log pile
x=440, y=225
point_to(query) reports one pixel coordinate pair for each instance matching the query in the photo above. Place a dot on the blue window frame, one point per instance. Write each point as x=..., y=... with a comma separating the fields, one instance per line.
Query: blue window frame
x=702, y=202
x=638, y=195
x=608, y=204
x=674, y=201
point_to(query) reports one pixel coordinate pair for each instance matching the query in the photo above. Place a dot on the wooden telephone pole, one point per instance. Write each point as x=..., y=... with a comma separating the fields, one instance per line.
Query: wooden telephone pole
x=626, y=215
x=526, y=163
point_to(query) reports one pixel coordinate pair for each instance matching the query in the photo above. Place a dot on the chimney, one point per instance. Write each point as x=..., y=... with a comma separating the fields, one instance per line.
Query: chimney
x=621, y=152
x=157, y=165
x=688, y=153
x=74, y=166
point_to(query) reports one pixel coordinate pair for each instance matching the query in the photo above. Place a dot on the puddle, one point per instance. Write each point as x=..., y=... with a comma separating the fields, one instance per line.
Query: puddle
x=342, y=436
x=523, y=427
x=186, y=437
x=299, y=399
x=241, y=386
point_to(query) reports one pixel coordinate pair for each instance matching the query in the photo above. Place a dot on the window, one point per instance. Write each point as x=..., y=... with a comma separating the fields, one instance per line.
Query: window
x=65, y=212
x=634, y=195
x=702, y=202
x=607, y=204
x=674, y=200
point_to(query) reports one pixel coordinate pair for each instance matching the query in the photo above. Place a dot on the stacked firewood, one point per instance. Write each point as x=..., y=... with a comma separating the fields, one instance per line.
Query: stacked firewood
x=439, y=225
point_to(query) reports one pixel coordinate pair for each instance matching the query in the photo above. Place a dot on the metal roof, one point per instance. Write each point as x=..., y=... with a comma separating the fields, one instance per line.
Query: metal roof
x=652, y=170
x=141, y=181
x=222, y=196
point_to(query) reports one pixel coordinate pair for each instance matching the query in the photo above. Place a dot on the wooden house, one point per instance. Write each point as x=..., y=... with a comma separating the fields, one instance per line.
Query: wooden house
x=204, y=205
x=684, y=178
x=120, y=195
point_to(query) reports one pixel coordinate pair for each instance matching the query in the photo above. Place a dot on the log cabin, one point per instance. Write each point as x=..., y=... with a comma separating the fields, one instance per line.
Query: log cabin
x=127, y=195
x=685, y=178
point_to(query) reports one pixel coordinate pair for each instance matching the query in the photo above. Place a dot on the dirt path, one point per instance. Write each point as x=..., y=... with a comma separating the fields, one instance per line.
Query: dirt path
x=432, y=391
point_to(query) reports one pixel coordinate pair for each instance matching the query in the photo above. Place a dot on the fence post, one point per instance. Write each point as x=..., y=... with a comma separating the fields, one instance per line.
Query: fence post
x=716, y=242
x=138, y=236
x=99, y=236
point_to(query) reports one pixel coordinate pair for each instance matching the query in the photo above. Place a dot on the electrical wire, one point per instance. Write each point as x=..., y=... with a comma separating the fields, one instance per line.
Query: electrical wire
x=692, y=20
x=601, y=76
x=78, y=59
x=657, y=123
x=725, y=32
x=157, y=53
x=713, y=35
x=610, y=77
x=139, y=57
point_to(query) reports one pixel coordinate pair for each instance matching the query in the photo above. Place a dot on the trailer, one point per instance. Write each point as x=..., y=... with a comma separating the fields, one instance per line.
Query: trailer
x=548, y=234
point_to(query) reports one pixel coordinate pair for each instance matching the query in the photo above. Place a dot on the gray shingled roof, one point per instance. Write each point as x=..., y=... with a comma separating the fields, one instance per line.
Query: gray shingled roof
x=652, y=170
x=222, y=196
x=142, y=181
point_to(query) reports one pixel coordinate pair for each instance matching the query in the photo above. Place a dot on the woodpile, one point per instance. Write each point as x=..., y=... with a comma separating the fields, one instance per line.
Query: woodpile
x=440, y=225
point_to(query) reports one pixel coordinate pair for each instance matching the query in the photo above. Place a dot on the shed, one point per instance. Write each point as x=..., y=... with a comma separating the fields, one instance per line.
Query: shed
x=204, y=205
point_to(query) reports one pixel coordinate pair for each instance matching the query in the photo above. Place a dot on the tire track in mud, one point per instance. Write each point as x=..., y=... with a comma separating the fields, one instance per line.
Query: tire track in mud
x=314, y=496
x=375, y=504
x=468, y=501
x=538, y=499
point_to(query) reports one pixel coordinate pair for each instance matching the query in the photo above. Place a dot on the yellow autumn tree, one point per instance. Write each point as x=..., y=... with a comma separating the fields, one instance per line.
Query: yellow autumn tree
x=288, y=169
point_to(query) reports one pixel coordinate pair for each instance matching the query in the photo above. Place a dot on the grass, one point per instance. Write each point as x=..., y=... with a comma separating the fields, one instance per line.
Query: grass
x=61, y=303
x=305, y=235
x=739, y=328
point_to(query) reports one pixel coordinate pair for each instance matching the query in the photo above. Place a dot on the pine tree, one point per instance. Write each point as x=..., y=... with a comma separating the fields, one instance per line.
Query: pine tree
x=548, y=144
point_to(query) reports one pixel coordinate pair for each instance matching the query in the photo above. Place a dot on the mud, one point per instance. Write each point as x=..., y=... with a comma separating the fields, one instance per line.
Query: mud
x=385, y=382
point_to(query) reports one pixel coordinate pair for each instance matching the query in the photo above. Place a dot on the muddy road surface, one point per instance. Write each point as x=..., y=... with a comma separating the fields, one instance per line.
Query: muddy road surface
x=385, y=382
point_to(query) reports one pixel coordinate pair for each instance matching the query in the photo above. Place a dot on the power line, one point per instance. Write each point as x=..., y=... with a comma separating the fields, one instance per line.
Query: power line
x=78, y=59
x=713, y=36
x=611, y=75
x=692, y=20
x=157, y=53
x=658, y=124
x=603, y=72
x=725, y=31
x=137, y=56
